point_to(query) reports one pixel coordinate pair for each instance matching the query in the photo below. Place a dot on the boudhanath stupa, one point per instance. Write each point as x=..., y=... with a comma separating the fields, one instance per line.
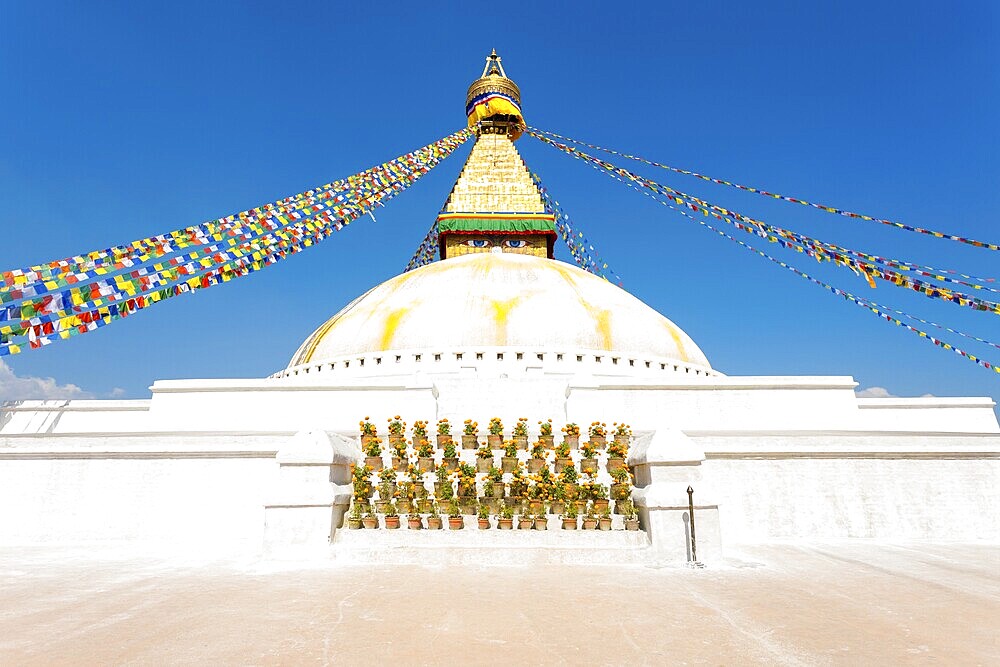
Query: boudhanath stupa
x=266, y=464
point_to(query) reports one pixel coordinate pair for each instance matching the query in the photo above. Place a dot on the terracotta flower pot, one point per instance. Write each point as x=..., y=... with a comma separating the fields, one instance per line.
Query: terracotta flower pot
x=535, y=506
x=370, y=522
x=525, y=524
x=563, y=463
x=434, y=522
x=622, y=439
x=557, y=507
x=382, y=505
x=508, y=463
x=541, y=524
x=568, y=524
x=484, y=464
x=590, y=524
x=615, y=464
x=443, y=440
x=367, y=440
x=494, y=441
x=631, y=524
x=588, y=465
x=600, y=505
x=450, y=464
x=505, y=524
x=396, y=440
x=548, y=441
x=467, y=489
x=470, y=441
x=392, y=522
x=604, y=524
x=399, y=465
x=534, y=465
x=484, y=524
x=414, y=523
x=354, y=524
x=456, y=522
x=598, y=441
x=404, y=505
x=425, y=464
x=374, y=462
x=498, y=490
x=572, y=440
x=521, y=442
x=621, y=491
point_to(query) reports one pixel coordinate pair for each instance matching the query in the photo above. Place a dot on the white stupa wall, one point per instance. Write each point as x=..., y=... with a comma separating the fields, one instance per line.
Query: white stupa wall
x=783, y=457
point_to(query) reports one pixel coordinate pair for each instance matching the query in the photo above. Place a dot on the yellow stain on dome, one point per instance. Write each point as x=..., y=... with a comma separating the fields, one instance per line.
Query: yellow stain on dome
x=602, y=318
x=678, y=341
x=501, y=312
x=392, y=321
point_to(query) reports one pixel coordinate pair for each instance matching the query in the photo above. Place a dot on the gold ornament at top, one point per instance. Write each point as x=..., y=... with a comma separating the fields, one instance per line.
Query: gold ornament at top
x=493, y=80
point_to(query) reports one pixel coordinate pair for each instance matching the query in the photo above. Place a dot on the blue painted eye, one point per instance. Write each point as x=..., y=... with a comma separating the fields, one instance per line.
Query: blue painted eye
x=515, y=243
x=478, y=243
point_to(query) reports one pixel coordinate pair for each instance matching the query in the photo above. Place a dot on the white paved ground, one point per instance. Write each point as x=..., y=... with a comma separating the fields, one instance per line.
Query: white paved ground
x=842, y=603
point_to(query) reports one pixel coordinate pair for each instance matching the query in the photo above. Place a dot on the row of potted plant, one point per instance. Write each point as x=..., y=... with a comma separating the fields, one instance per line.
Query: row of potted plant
x=590, y=518
x=597, y=431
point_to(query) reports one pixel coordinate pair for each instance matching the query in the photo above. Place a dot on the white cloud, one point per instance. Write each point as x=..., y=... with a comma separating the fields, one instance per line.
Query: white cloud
x=16, y=388
x=875, y=392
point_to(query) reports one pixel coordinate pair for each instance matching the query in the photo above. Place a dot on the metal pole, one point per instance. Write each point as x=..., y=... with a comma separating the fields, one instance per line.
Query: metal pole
x=694, y=543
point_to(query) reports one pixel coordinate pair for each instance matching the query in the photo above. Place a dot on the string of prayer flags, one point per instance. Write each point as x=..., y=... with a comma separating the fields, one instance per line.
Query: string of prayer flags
x=538, y=134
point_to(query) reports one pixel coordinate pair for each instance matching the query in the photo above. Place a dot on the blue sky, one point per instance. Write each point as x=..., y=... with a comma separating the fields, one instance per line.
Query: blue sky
x=128, y=119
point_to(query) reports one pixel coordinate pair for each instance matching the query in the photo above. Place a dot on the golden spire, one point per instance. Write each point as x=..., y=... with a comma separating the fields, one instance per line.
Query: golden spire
x=494, y=101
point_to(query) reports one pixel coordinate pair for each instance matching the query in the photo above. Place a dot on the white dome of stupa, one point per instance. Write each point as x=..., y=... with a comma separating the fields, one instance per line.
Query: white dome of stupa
x=498, y=307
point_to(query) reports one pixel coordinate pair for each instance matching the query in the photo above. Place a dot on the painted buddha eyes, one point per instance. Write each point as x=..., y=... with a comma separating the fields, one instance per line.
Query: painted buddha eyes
x=489, y=243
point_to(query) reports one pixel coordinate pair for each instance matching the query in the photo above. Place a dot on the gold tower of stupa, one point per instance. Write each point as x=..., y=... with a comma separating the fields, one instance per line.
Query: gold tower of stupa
x=494, y=205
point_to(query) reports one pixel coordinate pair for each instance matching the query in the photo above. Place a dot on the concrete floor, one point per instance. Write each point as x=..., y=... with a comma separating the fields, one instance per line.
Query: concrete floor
x=844, y=603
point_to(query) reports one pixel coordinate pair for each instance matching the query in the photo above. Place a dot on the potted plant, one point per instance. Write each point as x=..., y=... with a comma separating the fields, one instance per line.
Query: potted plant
x=368, y=431
x=466, y=481
x=425, y=456
x=373, y=453
x=404, y=497
x=541, y=520
x=562, y=455
x=441, y=480
x=443, y=432
x=509, y=459
x=598, y=494
x=520, y=434
x=354, y=520
x=589, y=461
x=494, y=435
x=361, y=478
x=385, y=496
x=604, y=521
x=525, y=521
x=484, y=458
x=545, y=435
x=617, y=452
x=470, y=431
x=631, y=518
x=488, y=491
x=370, y=521
x=391, y=517
x=590, y=519
x=419, y=432
x=622, y=487
x=622, y=433
x=434, y=519
x=506, y=520
x=569, y=517
x=558, y=504
x=598, y=432
x=414, y=522
x=400, y=460
x=495, y=475
x=484, y=516
x=445, y=493
x=449, y=459
x=455, y=519
x=571, y=435
x=397, y=430
x=538, y=455
x=518, y=484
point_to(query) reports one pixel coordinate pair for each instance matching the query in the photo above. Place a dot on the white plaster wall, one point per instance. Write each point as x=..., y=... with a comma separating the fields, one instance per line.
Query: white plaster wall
x=73, y=416
x=886, y=498
x=180, y=493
